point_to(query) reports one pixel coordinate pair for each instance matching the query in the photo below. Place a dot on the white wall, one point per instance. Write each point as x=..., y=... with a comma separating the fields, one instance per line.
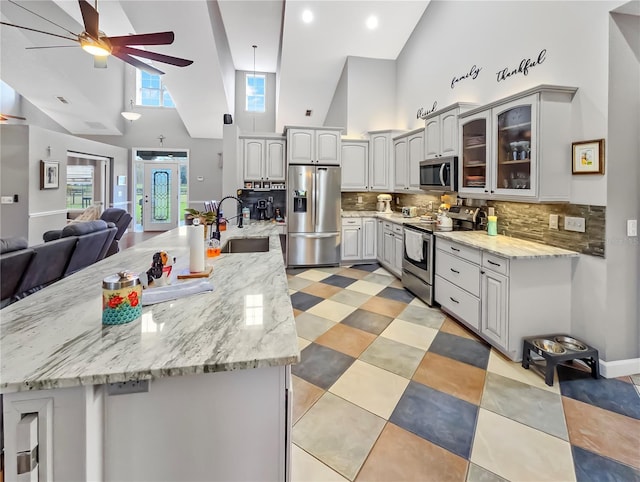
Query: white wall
x=14, y=179
x=338, y=112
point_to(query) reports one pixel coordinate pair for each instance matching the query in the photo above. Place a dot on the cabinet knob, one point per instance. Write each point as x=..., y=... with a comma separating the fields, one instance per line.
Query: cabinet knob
x=481, y=272
x=486, y=190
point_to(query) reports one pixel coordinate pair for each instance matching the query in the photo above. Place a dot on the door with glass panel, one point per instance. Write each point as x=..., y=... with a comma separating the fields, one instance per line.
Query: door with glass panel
x=161, y=196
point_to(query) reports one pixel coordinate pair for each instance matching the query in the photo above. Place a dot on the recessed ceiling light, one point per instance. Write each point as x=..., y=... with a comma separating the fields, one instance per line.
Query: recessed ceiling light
x=307, y=16
x=372, y=22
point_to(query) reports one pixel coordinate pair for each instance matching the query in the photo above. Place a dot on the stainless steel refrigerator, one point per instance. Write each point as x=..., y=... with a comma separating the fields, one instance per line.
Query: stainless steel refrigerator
x=313, y=215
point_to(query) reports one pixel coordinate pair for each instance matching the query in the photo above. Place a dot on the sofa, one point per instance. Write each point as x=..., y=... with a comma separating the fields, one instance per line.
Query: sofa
x=26, y=270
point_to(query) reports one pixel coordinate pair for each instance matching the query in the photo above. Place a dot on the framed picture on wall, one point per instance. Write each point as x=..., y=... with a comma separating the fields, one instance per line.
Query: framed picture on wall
x=49, y=174
x=588, y=157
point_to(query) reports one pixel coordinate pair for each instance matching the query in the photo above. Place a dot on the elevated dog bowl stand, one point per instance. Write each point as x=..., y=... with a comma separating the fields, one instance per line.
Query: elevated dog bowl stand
x=588, y=356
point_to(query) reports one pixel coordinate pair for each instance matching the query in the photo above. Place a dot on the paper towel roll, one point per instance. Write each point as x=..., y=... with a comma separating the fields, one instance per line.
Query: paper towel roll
x=196, y=248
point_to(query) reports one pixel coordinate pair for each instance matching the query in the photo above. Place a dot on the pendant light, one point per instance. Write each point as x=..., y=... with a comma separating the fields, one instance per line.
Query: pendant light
x=130, y=115
x=254, y=85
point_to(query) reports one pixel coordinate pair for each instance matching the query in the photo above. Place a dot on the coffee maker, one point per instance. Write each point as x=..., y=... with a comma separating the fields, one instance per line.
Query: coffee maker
x=264, y=209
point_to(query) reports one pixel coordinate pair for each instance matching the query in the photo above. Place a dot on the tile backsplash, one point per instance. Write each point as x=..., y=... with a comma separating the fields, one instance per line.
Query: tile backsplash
x=521, y=220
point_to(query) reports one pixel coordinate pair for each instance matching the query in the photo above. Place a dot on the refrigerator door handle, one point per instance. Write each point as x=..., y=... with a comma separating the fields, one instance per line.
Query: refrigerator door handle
x=315, y=201
x=313, y=235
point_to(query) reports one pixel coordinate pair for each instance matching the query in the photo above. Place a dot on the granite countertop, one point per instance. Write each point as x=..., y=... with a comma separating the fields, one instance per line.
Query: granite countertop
x=505, y=245
x=395, y=217
x=55, y=337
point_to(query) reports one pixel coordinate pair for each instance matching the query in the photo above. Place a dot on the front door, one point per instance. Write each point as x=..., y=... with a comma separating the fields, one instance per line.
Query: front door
x=161, y=196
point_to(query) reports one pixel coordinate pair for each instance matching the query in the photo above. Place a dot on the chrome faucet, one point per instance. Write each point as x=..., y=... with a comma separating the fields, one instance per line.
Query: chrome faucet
x=216, y=233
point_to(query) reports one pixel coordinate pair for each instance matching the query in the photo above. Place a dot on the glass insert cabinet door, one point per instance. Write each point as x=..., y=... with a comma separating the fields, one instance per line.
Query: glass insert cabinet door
x=515, y=149
x=160, y=200
x=475, y=153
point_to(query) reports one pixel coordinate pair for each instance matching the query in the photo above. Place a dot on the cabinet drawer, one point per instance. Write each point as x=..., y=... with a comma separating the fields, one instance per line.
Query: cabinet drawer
x=457, y=249
x=495, y=263
x=398, y=229
x=458, y=302
x=459, y=272
x=352, y=221
x=387, y=225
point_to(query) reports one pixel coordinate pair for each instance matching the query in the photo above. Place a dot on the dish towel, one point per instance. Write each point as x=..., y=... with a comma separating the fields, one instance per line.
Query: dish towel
x=413, y=245
x=151, y=296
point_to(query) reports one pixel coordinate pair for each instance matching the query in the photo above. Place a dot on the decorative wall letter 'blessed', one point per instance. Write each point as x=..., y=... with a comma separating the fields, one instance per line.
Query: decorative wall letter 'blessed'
x=472, y=74
x=422, y=112
x=523, y=68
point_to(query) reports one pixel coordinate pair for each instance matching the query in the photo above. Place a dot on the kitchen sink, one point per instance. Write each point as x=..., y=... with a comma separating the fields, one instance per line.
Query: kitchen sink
x=246, y=245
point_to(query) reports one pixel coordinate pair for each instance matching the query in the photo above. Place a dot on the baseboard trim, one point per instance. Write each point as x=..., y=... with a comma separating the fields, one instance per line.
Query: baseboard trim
x=619, y=368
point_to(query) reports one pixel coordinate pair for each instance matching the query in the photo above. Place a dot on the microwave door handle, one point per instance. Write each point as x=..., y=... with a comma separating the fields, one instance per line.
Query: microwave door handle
x=442, y=173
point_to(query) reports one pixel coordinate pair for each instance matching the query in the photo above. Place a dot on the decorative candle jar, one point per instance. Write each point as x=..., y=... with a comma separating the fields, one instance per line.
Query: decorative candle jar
x=121, y=298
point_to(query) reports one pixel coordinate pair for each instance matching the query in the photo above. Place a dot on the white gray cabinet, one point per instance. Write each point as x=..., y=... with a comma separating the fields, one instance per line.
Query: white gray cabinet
x=381, y=154
x=393, y=247
x=379, y=240
x=359, y=239
x=408, y=151
x=355, y=165
x=510, y=149
x=264, y=159
x=503, y=299
x=441, y=131
x=316, y=145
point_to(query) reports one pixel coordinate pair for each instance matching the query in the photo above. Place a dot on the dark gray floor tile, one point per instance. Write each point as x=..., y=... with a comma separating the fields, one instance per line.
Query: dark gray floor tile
x=396, y=294
x=321, y=366
x=474, y=353
x=368, y=321
x=592, y=467
x=304, y=301
x=339, y=281
x=367, y=267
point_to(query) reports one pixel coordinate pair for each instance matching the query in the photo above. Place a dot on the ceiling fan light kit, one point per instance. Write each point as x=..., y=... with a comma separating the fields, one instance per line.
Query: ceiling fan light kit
x=95, y=42
x=130, y=115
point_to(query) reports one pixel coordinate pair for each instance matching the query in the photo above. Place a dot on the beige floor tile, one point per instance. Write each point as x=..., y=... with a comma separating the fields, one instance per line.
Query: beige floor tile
x=296, y=283
x=291, y=292
x=371, y=388
x=366, y=287
x=454, y=327
x=379, y=279
x=297, y=312
x=302, y=343
x=314, y=275
x=500, y=364
x=330, y=270
x=396, y=283
x=399, y=455
x=410, y=334
x=353, y=273
x=305, y=394
x=416, y=301
x=338, y=433
x=351, y=298
x=306, y=468
x=517, y=452
x=346, y=339
x=331, y=310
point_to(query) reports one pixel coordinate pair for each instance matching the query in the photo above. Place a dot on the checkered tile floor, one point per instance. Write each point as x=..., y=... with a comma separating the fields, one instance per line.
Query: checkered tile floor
x=390, y=389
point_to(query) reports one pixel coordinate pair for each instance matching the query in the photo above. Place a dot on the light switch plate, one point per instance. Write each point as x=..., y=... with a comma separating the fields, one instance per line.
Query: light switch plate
x=574, y=224
x=553, y=221
x=632, y=227
x=7, y=200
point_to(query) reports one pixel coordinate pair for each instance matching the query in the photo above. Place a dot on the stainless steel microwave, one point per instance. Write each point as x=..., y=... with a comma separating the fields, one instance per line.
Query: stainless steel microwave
x=439, y=174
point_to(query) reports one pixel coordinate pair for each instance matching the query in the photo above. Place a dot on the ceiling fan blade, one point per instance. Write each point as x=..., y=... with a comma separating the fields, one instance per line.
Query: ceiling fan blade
x=158, y=38
x=100, y=62
x=38, y=31
x=43, y=18
x=167, y=59
x=90, y=18
x=5, y=117
x=136, y=63
x=51, y=47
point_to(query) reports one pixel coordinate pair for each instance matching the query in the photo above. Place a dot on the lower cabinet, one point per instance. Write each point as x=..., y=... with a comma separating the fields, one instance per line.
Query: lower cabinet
x=502, y=299
x=393, y=247
x=359, y=239
x=379, y=240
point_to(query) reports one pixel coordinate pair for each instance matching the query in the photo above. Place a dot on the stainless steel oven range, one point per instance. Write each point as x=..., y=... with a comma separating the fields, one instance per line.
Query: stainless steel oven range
x=418, y=261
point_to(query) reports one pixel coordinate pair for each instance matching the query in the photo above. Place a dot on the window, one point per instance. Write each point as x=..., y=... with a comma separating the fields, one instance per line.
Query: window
x=151, y=91
x=255, y=89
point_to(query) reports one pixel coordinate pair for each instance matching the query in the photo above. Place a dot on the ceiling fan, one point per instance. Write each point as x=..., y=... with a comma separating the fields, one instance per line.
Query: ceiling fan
x=95, y=42
x=6, y=117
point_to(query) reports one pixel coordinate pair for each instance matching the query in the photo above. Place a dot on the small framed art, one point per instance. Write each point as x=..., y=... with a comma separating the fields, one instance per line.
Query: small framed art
x=49, y=174
x=588, y=157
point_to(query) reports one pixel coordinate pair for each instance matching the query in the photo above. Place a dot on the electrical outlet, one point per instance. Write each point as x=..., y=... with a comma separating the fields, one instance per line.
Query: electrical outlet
x=430, y=205
x=553, y=221
x=359, y=199
x=397, y=199
x=7, y=199
x=574, y=224
x=632, y=227
x=124, y=388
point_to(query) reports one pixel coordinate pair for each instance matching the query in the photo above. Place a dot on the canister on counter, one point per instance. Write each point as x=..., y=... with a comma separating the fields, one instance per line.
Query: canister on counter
x=492, y=225
x=121, y=298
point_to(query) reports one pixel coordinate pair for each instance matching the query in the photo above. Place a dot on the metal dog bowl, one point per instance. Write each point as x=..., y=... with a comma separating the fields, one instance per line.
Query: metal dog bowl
x=571, y=343
x=549, y=346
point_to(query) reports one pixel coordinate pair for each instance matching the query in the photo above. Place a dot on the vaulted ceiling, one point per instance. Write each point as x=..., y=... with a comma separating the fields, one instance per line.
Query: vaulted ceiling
x=217, y=35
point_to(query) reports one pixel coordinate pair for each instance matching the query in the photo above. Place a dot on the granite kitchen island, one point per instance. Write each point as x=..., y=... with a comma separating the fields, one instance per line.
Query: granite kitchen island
x=207, y=392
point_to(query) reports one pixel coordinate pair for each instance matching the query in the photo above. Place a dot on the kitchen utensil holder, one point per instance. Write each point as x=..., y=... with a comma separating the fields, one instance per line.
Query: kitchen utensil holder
x=588, y=356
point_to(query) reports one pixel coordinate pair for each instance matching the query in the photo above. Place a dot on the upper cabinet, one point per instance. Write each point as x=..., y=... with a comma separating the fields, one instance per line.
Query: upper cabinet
x=367, y=164
x=313, y=145
x=408, y=151
x=355, y=165
x=518, y=148
x=441, y=131
x=263, y=158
